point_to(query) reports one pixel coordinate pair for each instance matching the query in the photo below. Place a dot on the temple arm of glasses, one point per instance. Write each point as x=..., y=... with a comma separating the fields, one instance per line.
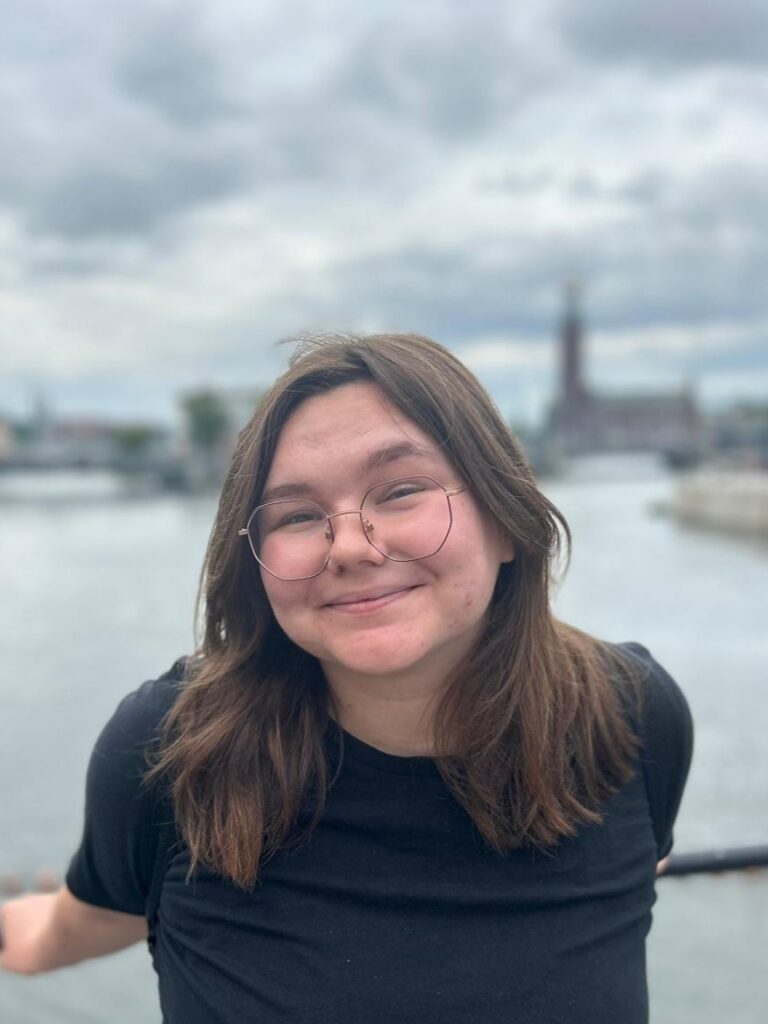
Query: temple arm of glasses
x=455, y=490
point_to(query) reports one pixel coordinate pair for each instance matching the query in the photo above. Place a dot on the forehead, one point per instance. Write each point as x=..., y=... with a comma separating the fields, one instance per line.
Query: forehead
x=346, y=425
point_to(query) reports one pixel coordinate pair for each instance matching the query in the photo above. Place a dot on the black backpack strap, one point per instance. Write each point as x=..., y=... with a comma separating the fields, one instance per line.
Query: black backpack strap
x=168, y=837
x=167, y=843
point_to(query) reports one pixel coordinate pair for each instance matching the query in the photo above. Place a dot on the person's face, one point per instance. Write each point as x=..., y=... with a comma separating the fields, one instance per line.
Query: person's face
x=366, y=614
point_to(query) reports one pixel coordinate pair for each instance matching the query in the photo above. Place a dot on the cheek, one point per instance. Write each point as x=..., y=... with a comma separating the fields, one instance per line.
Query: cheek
x=297, y=625
x=471, y=587
x=475, y=593
x=287, y=600
x=475, y=562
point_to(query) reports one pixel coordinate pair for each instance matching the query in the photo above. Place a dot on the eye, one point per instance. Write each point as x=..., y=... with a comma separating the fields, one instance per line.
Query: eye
x=290, y=517
x=299, y=518
x=402, y=490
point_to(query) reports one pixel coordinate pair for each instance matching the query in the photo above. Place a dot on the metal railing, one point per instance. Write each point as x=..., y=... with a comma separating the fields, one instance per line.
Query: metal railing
x=740, y=858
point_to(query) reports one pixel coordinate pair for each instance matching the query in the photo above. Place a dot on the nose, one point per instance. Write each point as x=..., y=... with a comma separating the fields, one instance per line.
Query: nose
x=349, y=540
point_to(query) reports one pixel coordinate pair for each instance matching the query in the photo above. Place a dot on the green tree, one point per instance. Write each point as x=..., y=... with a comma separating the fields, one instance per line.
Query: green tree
x=207, y=420
x=132, y=440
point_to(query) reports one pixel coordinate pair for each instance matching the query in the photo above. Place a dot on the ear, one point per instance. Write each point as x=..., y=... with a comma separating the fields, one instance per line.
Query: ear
x=506, y=547
x=507, y=552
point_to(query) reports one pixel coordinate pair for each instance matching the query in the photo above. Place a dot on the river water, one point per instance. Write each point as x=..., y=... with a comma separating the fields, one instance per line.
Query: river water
x=98, y=594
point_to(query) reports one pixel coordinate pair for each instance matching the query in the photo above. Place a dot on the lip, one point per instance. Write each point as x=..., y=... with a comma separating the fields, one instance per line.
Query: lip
x=370, y=600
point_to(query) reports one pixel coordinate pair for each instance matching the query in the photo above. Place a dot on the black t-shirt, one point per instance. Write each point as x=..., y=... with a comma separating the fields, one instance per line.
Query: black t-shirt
x=395, y=912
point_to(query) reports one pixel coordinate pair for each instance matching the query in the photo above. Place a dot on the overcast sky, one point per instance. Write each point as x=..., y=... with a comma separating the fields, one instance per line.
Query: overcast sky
x=183, y=184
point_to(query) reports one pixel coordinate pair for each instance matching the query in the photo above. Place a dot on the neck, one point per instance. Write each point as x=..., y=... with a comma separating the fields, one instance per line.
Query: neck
x=393, y=715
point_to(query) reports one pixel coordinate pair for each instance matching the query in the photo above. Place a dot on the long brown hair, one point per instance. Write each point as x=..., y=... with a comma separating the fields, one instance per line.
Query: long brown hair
x=533, y=730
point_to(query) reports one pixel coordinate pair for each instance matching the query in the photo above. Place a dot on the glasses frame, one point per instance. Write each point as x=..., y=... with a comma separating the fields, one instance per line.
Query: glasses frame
x=366, y=526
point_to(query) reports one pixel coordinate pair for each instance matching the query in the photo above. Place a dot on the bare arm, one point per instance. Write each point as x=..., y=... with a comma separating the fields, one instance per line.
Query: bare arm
x=44, y=931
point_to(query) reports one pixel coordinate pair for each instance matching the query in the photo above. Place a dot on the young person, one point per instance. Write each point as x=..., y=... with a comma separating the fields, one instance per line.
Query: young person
x=390, y=786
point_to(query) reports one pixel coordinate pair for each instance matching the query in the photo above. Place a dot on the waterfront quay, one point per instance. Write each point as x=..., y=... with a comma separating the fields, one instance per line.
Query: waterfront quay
x=730, y=500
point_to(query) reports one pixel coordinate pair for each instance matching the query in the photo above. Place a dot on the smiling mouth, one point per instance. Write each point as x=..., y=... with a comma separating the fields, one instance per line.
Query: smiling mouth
x=369, y=604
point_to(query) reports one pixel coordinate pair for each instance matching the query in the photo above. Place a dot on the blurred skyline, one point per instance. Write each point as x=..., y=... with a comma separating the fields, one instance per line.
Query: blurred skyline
x=184, y=184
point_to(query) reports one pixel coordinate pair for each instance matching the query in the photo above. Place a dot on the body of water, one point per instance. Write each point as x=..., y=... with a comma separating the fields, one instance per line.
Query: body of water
x=98, y=595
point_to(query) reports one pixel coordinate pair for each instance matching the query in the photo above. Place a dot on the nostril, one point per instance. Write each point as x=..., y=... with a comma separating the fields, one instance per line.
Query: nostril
x=351, y=539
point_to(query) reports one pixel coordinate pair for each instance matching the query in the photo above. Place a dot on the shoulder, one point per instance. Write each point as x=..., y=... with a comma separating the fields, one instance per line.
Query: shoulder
x=123, y=749
x=124, y=819
x=138, y=717
x=664, y=708
x=666, y=737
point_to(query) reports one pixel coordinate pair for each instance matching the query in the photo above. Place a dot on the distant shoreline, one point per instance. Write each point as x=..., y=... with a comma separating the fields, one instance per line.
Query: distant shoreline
x=727, y=500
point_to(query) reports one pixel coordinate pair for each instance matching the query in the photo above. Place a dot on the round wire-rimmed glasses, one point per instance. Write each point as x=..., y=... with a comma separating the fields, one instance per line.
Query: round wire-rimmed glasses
x=405, y=519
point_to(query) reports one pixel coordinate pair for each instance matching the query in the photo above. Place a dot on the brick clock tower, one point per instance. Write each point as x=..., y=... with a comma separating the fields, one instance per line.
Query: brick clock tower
x=582, y=420
x=573, y=393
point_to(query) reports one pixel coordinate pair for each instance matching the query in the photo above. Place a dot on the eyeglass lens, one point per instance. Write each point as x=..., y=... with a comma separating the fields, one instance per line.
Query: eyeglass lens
x=403, y=519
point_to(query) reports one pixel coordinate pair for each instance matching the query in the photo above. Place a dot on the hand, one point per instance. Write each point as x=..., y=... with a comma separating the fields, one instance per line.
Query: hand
x=25, y=921
x=45, y=931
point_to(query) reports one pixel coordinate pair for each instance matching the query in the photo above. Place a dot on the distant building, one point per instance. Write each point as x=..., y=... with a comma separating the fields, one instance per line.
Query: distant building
x=83, y=443
x=580, y=420
x=739, y=435
x=8, y=441
x=211, y=420
x=49, y=443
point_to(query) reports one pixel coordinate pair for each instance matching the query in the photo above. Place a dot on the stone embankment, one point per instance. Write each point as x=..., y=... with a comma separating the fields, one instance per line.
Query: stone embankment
x=733, y=500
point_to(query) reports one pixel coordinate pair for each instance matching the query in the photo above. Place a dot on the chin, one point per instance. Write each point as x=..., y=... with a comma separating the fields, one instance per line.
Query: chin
x=374, y=662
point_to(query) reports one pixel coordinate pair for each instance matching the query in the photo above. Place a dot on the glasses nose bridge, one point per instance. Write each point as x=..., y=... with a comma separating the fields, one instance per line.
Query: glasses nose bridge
x=344, y=512
x=348, y=512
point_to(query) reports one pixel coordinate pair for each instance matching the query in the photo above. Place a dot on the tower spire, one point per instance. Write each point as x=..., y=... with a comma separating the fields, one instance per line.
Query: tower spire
x=573, y=298
x=571, y=383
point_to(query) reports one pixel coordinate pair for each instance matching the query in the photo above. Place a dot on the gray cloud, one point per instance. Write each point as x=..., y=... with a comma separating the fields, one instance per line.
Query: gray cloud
x=114, y=200
x=672, y=33
x=455, y=76
x=515, y=182
x=646, y=187
x=730, y=196
x=168, y=112
x=683, y=255
x=169, y=66
x=89, y=148
x=410, y=168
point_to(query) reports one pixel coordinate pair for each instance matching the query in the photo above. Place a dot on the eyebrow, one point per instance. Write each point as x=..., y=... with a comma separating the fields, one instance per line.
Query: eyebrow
x=375, y=460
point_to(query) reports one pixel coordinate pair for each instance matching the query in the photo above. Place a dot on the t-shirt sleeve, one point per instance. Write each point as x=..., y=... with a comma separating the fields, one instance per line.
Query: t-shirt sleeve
x=114, y=864
x=667, y=738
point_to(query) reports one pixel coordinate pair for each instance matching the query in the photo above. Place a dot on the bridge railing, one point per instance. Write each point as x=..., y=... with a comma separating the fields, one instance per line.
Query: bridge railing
x=739, y=858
